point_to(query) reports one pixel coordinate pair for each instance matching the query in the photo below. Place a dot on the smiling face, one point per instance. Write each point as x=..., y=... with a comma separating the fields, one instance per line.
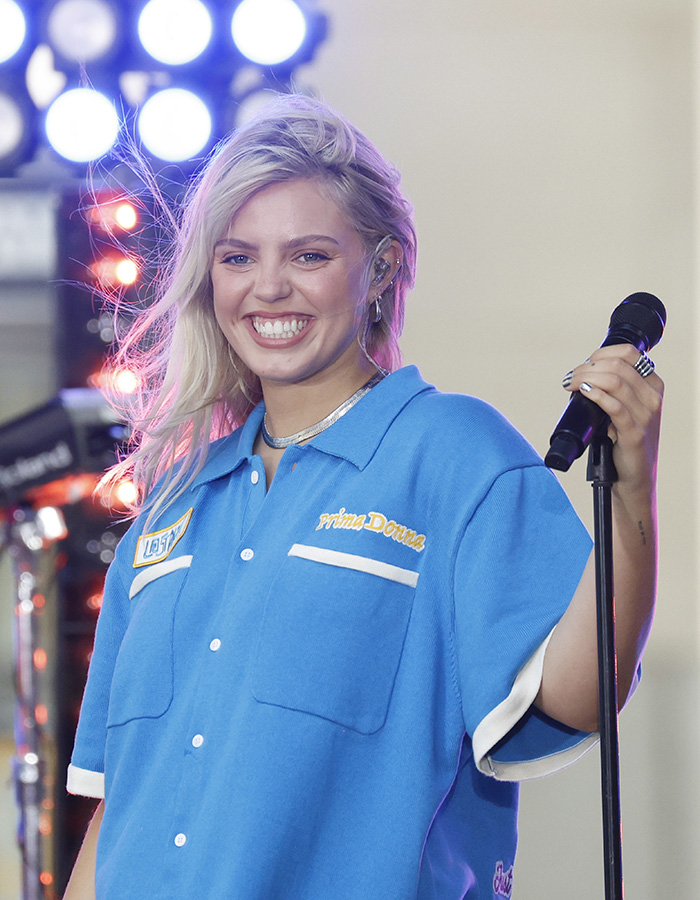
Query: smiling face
x=290, y=287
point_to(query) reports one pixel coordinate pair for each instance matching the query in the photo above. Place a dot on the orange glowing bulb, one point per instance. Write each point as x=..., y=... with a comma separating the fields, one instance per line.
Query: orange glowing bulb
x=125, y=381
x=126, y=271
x=126, y=492
x=125, y=216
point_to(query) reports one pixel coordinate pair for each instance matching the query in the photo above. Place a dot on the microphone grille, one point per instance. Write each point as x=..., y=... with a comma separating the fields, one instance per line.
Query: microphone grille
x=642, y=312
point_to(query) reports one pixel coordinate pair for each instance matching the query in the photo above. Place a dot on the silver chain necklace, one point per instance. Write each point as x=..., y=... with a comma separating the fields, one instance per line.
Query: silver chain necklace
x=307, y=433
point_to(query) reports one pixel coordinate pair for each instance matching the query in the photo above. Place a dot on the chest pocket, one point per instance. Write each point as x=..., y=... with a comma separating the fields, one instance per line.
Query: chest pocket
x=332, y=636
x=142, y=685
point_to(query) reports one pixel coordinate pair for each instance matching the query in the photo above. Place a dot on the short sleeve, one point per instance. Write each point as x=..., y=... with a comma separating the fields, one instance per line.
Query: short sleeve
x=86, y=771
x=519, y=562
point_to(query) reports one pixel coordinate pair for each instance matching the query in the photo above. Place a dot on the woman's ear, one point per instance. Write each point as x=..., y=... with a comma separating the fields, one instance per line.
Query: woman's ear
x=385, y=267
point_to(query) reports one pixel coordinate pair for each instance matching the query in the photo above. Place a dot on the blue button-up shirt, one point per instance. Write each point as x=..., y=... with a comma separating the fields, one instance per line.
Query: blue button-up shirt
x=323, y=691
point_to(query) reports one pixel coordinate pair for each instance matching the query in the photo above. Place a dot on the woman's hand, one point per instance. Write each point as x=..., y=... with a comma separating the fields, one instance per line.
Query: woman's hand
x=633, y=403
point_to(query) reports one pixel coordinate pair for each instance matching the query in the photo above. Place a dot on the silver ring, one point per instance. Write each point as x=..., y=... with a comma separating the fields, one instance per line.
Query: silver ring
x=644, y=365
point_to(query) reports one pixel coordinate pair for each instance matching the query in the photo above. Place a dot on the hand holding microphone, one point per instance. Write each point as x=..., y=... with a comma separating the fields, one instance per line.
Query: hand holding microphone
x=612, y=387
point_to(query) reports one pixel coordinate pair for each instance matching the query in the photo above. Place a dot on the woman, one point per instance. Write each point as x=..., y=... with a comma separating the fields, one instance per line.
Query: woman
x=335, y=639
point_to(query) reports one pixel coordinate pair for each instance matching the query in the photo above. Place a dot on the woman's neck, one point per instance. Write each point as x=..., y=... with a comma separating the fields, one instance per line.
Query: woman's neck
x=293, y=407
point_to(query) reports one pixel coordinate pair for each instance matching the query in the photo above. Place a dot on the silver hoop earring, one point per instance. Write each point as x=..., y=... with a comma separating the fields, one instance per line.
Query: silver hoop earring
x=375, y=315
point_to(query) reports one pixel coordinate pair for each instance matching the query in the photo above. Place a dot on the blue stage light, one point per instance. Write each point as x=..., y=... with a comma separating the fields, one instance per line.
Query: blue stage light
x=12, y=30
x=82, y=31
x=82, y=124
x=268, y=32
x=175, y=32
x=175, y=125
x=13, y=129
x=134, y=51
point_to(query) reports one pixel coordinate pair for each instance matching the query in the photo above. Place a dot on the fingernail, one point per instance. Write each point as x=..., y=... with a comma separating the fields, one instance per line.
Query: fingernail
x=585, y=387
x=567, y=379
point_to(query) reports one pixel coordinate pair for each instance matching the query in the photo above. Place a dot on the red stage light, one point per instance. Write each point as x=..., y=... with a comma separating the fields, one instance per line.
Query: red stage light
x=113, y=215
x=115, y=270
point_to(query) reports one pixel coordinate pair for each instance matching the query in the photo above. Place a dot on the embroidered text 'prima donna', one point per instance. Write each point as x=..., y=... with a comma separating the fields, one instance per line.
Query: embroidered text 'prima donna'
x=373, y=521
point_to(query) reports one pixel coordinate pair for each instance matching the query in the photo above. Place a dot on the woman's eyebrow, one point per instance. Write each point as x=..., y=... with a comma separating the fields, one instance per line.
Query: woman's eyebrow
x=310, y=239
x=290, y=245
x=228, y=242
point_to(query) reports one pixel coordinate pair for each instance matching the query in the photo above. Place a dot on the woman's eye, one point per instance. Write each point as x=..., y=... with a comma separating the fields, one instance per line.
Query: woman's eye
x=312, y=257
x=237, y=259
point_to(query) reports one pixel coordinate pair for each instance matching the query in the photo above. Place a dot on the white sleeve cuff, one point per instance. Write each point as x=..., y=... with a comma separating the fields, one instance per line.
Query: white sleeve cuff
x=85, y=783
x=496, y=725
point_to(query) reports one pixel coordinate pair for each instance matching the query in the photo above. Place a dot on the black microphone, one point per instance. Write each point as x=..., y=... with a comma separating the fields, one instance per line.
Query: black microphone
x=639, y=320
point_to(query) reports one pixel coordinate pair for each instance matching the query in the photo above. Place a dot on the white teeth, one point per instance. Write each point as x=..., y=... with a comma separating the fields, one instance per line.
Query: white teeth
x=278, y=328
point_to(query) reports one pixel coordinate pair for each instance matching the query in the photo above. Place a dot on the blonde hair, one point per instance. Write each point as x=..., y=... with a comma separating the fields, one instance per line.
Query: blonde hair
x=194, y=389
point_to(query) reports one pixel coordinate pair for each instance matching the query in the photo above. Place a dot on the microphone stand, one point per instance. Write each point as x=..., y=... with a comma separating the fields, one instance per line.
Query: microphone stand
x=601, y=472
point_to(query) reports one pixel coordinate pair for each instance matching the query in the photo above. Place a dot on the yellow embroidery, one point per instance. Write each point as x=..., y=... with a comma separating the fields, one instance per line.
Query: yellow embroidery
x=156, y=546
x=376, y=522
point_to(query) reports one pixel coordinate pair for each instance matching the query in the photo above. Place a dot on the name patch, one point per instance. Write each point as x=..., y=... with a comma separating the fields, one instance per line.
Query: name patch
x=373, y=521
x=156, y=546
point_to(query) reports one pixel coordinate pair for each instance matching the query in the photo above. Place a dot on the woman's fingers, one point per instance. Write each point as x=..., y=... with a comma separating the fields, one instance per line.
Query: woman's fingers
x=632, y=402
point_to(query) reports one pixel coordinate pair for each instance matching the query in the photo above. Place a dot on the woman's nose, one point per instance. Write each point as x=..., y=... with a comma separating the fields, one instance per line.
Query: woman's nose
x=272, y=283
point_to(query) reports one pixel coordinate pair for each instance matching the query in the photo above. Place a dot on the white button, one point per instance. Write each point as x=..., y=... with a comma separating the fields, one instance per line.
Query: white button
x=197, y=740
x=255, y=476
x=180, y=840
x=215, y=644
x=247, y=554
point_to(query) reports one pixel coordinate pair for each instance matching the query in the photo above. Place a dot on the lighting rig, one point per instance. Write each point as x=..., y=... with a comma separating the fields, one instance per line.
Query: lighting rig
x=79, y=79
x=179, y=74
x=59, y=530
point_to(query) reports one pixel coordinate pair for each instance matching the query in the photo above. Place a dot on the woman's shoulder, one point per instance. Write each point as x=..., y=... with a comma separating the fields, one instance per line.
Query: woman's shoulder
x=470, y=425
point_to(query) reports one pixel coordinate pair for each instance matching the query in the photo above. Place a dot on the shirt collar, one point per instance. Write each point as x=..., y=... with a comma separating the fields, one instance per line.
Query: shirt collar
x=230, y=452
x=354, y=437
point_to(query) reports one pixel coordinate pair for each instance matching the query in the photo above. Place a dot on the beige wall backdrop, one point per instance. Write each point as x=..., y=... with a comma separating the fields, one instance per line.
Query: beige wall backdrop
x=550, y=149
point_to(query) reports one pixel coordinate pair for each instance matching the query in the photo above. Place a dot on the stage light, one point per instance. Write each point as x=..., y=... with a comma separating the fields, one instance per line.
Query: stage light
x=175, y=125
x=175, y=32
x=268, y=32
x=125, y=216
x=171, y=67
x=125, y=381
x=112, y=216
x=13, y=31
x=251, y=104
x=126, y=493
x=116, y=382
x=115, y=271
x=12, y=127
x=94, y=602
x=53, y=525
x=82, y=31
x=82, y=124
x=44, y=83
x=126, y=271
